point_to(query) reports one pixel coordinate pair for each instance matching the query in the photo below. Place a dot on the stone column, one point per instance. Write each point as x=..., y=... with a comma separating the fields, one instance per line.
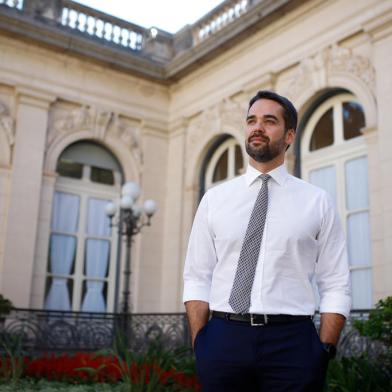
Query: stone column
x=147, y=281
x=25, y=190
x=381, y=32
x=171, y=290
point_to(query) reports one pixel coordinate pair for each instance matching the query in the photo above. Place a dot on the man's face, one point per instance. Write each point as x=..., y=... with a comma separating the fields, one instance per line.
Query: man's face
x=265, y=135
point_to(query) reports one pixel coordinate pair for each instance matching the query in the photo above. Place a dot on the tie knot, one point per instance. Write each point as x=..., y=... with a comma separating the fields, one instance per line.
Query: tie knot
x=265, y=177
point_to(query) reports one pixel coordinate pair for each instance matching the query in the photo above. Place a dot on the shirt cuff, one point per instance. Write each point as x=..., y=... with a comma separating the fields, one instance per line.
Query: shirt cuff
x=196, y=291
x=341, y=305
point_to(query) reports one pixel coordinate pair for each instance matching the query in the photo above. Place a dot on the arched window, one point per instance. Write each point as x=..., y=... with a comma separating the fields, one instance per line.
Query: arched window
x=225, y=162
x=334, y=157
x=81, y=260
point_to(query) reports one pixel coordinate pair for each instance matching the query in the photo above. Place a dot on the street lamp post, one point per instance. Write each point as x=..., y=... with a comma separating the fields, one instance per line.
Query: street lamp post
x=131, y=218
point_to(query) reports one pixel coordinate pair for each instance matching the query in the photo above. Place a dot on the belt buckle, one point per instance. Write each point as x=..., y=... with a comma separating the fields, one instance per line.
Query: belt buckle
x=254, y=324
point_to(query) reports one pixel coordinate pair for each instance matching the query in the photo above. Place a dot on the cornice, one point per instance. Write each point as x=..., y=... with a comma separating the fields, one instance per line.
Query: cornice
x=56, y=37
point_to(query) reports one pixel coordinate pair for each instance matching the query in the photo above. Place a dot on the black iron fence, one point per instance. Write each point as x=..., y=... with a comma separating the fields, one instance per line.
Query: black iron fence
x=43, y=331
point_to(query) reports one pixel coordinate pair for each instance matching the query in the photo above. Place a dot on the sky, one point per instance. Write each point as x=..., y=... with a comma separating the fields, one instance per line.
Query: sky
x=168, y=15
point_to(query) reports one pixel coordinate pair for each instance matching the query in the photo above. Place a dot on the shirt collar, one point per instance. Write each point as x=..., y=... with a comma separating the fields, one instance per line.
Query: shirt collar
x=279, y=174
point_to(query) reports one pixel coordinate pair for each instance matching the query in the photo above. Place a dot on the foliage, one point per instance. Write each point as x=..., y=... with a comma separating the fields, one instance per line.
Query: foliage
x=156, y=370
x=28, y=385
x=379, y=324
x=357, y=375
x=365, y=374
x=5, y=305
x=12, y=357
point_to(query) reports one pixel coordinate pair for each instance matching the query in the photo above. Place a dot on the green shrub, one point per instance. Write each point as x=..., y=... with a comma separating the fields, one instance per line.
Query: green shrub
x=379, y=325
x=5, y=306
x=357, y=375
x=364, y=374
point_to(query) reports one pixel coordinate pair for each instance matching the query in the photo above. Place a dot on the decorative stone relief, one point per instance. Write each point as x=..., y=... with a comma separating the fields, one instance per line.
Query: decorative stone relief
x=343, y=60
x=129, y=132
x=85, y=118
x=313, y=72
x=216, y=120
x=100, y=123
x=227, y=116
x=232, y=115
x=7, y=125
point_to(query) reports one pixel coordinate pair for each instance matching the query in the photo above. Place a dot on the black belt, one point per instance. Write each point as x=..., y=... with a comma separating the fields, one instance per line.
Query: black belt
x=260, y=319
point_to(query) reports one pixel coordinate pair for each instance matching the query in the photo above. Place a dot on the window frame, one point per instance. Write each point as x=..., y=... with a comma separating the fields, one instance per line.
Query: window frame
x=336, y=155
x=230, y=145
x=85, y=189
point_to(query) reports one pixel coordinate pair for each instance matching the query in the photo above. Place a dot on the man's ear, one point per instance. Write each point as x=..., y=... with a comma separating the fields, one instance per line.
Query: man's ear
x=290, y=136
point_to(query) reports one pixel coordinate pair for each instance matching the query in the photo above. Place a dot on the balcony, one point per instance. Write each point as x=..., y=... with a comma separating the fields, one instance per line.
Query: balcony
x=70, y=27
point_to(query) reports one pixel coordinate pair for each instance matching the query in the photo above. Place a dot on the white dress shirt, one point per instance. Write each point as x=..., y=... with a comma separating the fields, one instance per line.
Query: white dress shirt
x=303, y=239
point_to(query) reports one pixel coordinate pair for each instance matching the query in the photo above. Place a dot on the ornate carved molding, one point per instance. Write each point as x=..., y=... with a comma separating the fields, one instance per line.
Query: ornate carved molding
x=224, y=117
x=311, y=75
x=129, y=132
x=100, y=124
x=218, y=119
x=314, y=72
x=344, y=60
x=7, y=125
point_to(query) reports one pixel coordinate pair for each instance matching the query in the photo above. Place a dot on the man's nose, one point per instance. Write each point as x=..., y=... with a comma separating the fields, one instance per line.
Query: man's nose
x=259, y=126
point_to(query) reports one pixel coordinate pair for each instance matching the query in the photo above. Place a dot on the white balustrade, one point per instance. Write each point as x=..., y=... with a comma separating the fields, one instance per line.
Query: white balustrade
x=102, y=26
x=224, y=15
x=12, y=3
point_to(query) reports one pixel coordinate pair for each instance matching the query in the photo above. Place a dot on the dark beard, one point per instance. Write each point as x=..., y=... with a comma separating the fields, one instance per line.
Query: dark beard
x=266, y=152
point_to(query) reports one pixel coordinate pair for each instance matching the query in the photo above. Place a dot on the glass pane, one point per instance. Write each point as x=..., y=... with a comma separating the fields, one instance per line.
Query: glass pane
x=358, y=238
x=94, y=294
x=98, y=223
x=58, y=294
x=239, y=161
x=97, y=253
x=353, y=119
x=102, y=176
x=65, y=214
x=220, y=171
x=62, y=252
x=323, y=132
x=325, y=178
x=361, y=282
x=69, y=169
x=357, y=184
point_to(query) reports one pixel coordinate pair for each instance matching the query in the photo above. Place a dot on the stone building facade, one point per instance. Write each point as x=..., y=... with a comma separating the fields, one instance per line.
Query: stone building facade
x=88, y=102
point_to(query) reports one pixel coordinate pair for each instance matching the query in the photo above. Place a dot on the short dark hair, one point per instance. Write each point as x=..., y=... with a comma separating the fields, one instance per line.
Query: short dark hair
x=289, y=111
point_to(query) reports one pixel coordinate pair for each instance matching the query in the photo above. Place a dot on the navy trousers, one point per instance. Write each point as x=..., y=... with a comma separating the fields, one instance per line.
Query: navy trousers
x=234, y=356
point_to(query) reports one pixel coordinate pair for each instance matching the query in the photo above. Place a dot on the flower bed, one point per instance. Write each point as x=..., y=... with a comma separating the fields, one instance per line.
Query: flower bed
x=92, y=368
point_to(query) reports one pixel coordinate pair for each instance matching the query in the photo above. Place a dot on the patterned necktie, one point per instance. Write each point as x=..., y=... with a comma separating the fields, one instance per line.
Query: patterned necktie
x=243, y=281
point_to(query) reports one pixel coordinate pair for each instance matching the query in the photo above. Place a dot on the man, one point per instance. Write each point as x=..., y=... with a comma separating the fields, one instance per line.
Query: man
x=256, y=244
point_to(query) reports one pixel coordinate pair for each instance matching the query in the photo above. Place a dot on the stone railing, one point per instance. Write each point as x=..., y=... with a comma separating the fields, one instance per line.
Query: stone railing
x=102, y=26
x=155, y=53
x=13, y=3
x=119, y=32
x=218, y=18
x=84, y=20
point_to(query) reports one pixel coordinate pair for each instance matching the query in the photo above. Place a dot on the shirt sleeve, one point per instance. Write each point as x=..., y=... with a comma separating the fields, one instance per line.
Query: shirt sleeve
x=332, y=271
x=201, y=257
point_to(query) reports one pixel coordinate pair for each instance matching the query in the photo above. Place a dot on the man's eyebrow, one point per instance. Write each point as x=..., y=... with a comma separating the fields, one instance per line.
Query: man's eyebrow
x=265, y=116
x=271, y=116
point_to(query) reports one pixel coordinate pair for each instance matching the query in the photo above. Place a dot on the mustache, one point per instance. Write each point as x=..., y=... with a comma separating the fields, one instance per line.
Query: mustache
x=258, y=135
